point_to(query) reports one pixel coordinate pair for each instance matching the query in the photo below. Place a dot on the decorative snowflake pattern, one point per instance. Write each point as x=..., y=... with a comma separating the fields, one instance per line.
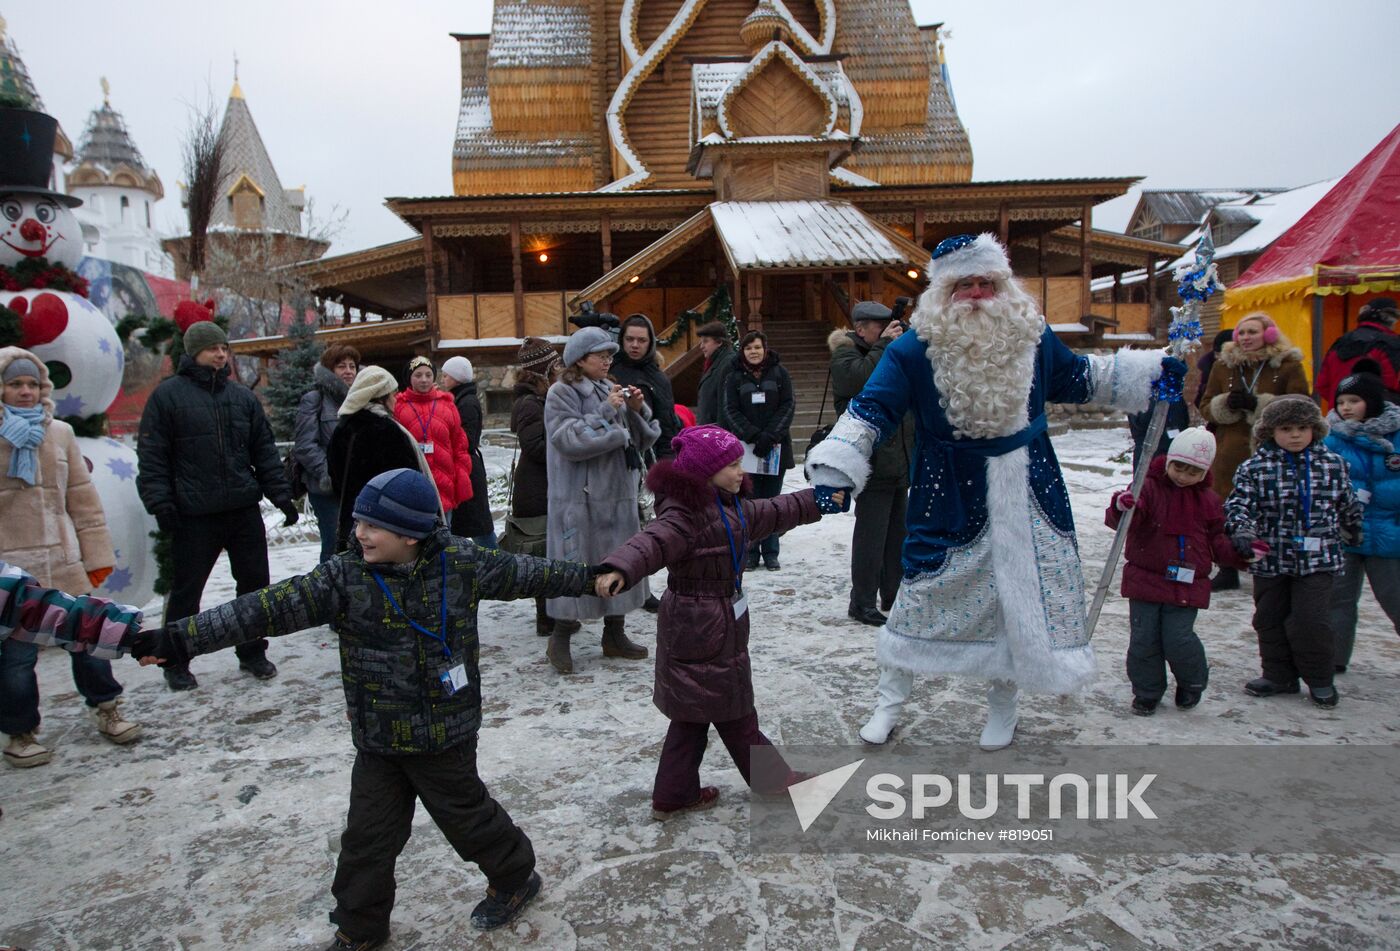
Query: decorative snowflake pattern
x=122, y=469
x=70, y=405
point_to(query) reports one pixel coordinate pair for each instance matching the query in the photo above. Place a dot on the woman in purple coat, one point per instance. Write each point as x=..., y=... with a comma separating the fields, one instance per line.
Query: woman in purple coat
x=704, y=525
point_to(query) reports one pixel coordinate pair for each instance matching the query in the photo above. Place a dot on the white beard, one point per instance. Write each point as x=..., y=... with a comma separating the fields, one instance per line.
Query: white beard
x=983, y=357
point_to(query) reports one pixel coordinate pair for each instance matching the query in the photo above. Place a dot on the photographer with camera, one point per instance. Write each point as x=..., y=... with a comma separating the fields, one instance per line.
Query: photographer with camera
x=880, y=509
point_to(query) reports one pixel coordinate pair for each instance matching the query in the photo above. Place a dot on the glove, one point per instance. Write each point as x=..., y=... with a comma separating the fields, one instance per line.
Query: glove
x=163, y=643
x=1174, y=368
x=323, y=485
x=166, y=521
x=1123, y=501
x=828, y=505
x=1260, y=547
x=1240, y=400
x=98, y=575
x=289, y=510
x=1244, y=546
x=1353, y=538
x=763, y=445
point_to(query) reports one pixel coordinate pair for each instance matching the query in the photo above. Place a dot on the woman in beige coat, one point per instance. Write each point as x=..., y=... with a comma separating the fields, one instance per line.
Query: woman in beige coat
x=1256, y=366
x=55, y=530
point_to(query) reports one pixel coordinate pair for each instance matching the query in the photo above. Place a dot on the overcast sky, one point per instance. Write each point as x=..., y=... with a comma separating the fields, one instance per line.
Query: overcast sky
x=358, y=100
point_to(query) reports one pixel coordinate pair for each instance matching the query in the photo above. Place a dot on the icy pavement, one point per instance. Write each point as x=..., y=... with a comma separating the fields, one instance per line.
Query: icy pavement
x=215, y=831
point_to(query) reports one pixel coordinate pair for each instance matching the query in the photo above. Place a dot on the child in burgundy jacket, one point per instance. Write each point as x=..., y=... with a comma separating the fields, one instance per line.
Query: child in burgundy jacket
x=1177, y=532
x=705, y=523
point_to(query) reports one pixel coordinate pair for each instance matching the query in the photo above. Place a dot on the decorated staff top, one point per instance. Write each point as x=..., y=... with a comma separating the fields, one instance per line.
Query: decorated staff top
x=1196, y=281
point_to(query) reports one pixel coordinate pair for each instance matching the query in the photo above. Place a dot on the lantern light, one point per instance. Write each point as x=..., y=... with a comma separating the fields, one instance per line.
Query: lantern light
x=544, y=257
x=634, y=279
x=913, y=274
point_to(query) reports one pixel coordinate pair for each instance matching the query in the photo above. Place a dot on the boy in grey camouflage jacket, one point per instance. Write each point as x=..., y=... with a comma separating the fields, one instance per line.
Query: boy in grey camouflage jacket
x=403, y=602
x=1291, y=510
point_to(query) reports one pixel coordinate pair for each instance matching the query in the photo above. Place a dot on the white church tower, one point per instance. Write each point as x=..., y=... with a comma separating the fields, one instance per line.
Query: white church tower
x=119, y=192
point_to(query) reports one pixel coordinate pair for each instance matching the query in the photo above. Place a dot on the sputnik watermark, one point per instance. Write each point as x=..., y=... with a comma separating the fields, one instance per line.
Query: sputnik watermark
x=1080, y=799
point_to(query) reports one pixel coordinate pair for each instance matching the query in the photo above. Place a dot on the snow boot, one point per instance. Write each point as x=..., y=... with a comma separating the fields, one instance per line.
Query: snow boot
x=709, y=795
x=343, y=942
x=543, y=623
x=893, y=690
x=1187, y=697
x=1264, y=687
x=615, y=642
x=652, y=604
x=558, y=648
x=259, y=667
x=1001, y=715
x=180, y=678
x=501, y=908
x=23, y=751
x=1324, y=696
x=753, y=560
x=112, y=725
x=1144, y=708
x=1226, y=579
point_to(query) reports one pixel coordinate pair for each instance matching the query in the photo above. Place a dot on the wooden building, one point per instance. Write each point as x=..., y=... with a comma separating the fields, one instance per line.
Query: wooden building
x=640, y=153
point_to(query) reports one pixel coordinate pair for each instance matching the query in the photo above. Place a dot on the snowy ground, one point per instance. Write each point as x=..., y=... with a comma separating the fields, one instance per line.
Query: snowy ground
x=217, y=829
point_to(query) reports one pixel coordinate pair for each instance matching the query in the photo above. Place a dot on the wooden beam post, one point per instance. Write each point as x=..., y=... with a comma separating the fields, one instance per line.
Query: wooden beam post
x=1086, y=266
x=876, y=278
x=517, y=271
x=1004, y=224
x=1117, y=288
x=1040, y=271
x=430, y=278
x=919, y=227
x=605, y=232
x=1152, y=293
x=754, y=280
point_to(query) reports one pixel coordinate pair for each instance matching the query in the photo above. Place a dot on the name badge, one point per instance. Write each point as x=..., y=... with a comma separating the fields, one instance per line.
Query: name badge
x=759, y=398
x=1182, y=574
x=454, y=679
x=1363, y=496
x=1308, y=542
x=741, y=605
x=427, y=448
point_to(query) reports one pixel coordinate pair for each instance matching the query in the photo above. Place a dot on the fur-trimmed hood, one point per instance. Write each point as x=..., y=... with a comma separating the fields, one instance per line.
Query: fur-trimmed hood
x=686, y=489
x=1276, y=353
x=331, y=386
x=1378, y=431
x=9, y=355
x=843, y=338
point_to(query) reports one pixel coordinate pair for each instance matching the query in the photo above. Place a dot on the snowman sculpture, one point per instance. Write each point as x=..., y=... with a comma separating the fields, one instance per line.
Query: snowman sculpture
x=41, y=244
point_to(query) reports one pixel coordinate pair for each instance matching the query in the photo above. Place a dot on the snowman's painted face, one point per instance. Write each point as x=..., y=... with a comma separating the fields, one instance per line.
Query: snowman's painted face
x=35, y=226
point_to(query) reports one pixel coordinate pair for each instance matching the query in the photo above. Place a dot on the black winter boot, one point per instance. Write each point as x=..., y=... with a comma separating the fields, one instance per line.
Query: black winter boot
x=615, y=642
x=543, y=625
x=1226, y=579
x=558, y=648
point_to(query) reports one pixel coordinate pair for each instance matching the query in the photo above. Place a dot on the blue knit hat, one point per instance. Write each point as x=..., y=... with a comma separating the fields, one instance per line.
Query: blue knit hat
x=400, y=500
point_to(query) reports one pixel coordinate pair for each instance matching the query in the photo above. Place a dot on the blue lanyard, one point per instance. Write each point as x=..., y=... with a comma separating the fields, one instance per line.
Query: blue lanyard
x=1181, y=549
x=1304, y=488
x=736, y=553
x=440, y=638
x=425, y=426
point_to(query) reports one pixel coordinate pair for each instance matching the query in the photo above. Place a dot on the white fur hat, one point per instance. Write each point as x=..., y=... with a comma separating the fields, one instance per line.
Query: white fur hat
x=459, y=368
x=966, y=255
x=1194, y=446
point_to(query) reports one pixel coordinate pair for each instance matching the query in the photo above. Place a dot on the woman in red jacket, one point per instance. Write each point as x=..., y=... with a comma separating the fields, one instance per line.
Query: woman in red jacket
x=1178, y=531
x=431, y=417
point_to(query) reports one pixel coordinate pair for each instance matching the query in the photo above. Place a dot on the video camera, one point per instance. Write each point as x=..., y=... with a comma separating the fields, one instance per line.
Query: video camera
x=588, y=316
x=901, y=304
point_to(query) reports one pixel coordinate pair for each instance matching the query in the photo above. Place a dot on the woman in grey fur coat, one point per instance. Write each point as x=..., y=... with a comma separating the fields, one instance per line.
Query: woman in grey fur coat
x=596, y=435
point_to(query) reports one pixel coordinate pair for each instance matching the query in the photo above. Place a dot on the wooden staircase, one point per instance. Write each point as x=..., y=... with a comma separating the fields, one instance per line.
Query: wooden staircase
x=801, y=345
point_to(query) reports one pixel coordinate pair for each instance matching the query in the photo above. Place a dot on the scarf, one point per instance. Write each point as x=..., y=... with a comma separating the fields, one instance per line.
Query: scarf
x=1380, y=431
x=24, y=429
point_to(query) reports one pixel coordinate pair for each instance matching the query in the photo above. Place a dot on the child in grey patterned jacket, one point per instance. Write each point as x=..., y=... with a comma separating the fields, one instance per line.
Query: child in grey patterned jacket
x=1292, y=509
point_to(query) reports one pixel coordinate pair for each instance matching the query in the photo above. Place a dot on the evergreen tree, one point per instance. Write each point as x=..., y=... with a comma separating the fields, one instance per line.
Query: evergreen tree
x=293, y=375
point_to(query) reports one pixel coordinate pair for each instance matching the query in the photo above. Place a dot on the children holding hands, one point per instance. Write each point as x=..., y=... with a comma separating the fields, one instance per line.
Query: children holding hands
x=1177, y=533
x=1295, y=497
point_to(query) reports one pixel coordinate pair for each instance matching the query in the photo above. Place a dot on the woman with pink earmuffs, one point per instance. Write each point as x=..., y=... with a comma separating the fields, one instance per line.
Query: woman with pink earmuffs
x=1256, y=366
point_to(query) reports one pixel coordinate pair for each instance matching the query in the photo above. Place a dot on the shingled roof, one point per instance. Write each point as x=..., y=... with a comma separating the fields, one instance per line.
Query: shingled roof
x=107, y=147
x=245, y=156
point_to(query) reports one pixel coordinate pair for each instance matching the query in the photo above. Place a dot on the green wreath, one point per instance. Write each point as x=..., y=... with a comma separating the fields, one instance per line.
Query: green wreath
x=719, y=307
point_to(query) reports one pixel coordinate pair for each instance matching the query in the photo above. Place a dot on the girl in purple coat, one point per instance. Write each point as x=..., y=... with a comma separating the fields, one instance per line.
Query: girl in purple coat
x=1178, y=531
x=705, y=523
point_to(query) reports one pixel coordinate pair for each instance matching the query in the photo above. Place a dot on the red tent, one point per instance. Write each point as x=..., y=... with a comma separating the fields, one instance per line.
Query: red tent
x=1342, y=252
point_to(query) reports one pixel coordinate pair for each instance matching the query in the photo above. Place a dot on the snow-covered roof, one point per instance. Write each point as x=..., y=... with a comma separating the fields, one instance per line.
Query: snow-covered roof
x=525, y=34
x=800, y=234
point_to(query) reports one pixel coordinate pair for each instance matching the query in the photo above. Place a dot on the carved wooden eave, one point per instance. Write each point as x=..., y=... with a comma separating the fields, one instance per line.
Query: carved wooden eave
x=655, y=255
x=1106, y=247
x=773, y=51
x=378, y=334
x=392, y=258
x=495, y=211
x=707, y=151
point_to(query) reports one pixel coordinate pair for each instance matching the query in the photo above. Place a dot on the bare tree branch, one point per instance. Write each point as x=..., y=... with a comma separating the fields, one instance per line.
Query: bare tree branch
x=202, y=154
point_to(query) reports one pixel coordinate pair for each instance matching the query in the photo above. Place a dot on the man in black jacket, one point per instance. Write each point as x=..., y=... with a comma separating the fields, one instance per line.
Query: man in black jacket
x=880, y=509
x=719, y=360
x=636, y=365
x=206, y=457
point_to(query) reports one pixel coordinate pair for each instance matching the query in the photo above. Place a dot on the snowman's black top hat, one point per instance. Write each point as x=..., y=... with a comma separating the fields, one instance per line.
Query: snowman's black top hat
x=26, y=154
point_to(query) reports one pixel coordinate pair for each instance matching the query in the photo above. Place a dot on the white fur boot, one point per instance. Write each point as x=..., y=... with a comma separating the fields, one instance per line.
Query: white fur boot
x=894, y=689
x=1001, y=715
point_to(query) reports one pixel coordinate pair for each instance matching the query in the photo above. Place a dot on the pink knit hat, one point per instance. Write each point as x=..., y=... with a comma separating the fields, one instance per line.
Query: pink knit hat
x=1194, y=446
x=704, y=450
